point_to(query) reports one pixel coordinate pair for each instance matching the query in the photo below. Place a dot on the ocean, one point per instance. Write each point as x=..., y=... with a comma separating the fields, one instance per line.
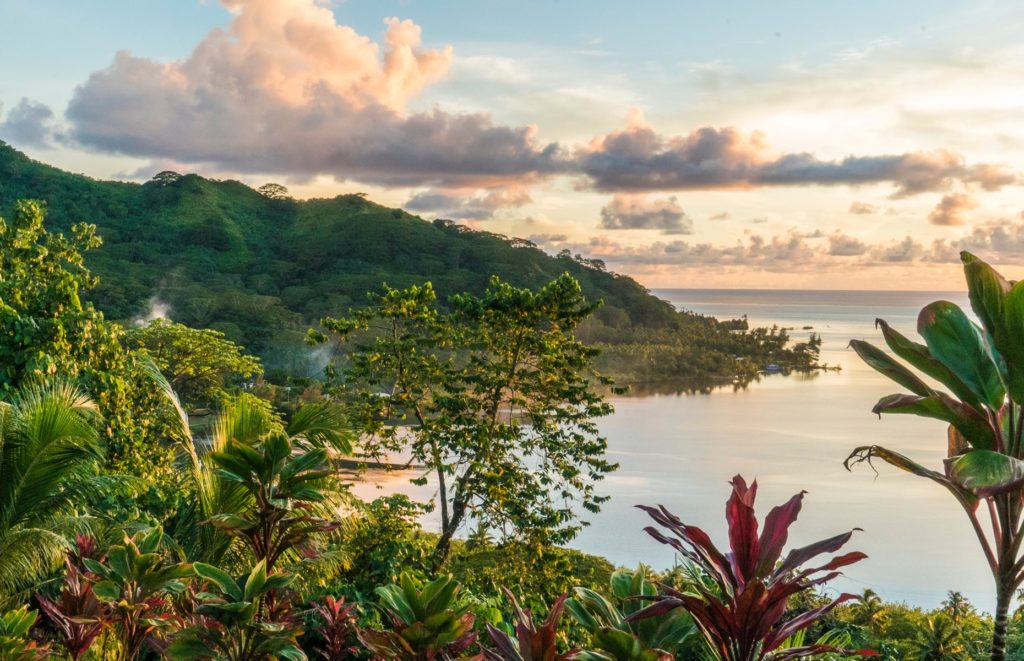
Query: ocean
x=791, y=433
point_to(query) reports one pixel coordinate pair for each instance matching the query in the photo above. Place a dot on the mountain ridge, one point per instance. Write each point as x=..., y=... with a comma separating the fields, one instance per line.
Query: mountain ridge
x=261, y=269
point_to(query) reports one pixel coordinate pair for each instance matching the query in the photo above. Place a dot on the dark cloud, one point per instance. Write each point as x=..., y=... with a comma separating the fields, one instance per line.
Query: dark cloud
x=639, y=159
x=951, y=208
x=27, y=124
x=636, y=212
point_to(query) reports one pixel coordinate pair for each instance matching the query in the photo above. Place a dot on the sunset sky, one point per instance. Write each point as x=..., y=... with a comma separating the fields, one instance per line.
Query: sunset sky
x=737, y=144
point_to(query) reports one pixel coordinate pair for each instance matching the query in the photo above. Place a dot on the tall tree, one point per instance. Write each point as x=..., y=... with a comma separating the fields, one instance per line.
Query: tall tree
x=493, y=395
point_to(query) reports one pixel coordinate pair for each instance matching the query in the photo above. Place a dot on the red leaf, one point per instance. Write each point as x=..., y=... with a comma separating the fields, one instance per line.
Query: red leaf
x=776, y=532
x=739, y=512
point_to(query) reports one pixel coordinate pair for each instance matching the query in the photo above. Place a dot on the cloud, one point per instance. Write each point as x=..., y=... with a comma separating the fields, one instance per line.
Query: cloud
x=842, y=245
x=950, y=209
x=637, y=212
x=637, y=158
x=906, y=250
x=467, y=205
x=862, y=208
x=546, y=239
x=723, y=215
x=287, y=90
x=27, y=124
x=1000, y=242
x=996, y=241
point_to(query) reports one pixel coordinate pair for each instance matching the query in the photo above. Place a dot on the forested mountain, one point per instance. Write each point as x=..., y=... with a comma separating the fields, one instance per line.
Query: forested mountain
x=262, y=267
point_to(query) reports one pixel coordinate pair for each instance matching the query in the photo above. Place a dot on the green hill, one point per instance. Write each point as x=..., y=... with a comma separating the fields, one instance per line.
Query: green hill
x=262, y=270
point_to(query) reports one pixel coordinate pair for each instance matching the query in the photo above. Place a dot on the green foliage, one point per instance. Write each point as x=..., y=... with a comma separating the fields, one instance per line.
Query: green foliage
x=234, y=626
x=426, y=621
x=497, y=399
x=199, y=364
x=619, y=638
x=283, y=487
x=50, y=454
x=15, y=644
x=136, y=580
x=46, y=329
x=983, y=369
x=262, y=269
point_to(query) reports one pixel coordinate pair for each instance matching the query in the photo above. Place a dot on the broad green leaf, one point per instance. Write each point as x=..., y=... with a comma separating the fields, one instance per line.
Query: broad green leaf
x=921, y=358
x=220, y=578
x=257, y=579
x=107, y=590
x=986, y=473
x=187, y=647
x=987, y=290
x=955, y=341
x=974, y=427
x=394, y=600
x=884, y=363
x=1010, y=340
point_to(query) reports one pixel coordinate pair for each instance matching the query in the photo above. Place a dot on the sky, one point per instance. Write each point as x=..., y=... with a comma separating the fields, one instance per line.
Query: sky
x=787, y=144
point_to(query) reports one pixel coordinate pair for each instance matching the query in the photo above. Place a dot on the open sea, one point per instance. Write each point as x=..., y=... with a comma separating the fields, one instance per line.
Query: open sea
x=790, y=433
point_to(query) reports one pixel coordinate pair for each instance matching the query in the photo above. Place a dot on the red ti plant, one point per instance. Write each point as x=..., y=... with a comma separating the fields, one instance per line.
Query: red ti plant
x=531, y=643
x=77, y=614
x=744, y=619
x=338, y=628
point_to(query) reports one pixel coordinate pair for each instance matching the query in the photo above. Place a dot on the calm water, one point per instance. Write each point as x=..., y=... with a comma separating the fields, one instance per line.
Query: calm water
x=791, y=433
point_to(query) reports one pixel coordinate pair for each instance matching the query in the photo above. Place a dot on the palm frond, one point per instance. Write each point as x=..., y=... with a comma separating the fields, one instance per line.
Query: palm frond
x=26, y=556
x=322, y=425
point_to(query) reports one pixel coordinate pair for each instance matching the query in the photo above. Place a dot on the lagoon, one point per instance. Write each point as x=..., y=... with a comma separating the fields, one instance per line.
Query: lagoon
x=791, y=433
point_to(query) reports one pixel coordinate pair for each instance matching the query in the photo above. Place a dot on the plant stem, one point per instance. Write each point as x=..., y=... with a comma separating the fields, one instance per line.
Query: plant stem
x=1003, y=594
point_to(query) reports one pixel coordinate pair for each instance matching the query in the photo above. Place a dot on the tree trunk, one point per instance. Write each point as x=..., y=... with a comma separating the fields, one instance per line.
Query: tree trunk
x=444, y=542
x=1004, y=593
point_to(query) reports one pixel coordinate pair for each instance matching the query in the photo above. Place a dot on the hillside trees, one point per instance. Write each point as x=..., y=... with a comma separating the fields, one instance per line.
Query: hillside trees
x=198, y=363
x=46, y=329
x=493, y=395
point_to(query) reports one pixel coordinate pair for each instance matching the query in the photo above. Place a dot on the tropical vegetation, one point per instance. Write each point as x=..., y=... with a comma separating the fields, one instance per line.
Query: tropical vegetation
x=162, y=497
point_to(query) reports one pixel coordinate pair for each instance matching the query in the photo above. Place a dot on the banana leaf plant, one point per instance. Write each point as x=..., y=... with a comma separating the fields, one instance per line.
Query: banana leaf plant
x=136, y=581
x=427, y=622
x=236, y=625
x=15, y=644
x=971, y=377
x=530, y=642
x=619, y=638
x=744, y=618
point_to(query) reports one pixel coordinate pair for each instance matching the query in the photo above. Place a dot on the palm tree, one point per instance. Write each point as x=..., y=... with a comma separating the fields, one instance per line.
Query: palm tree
x=247, y=422
x=49, y=457
x=957, y=606
x=939, y=640
x=869, y=610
